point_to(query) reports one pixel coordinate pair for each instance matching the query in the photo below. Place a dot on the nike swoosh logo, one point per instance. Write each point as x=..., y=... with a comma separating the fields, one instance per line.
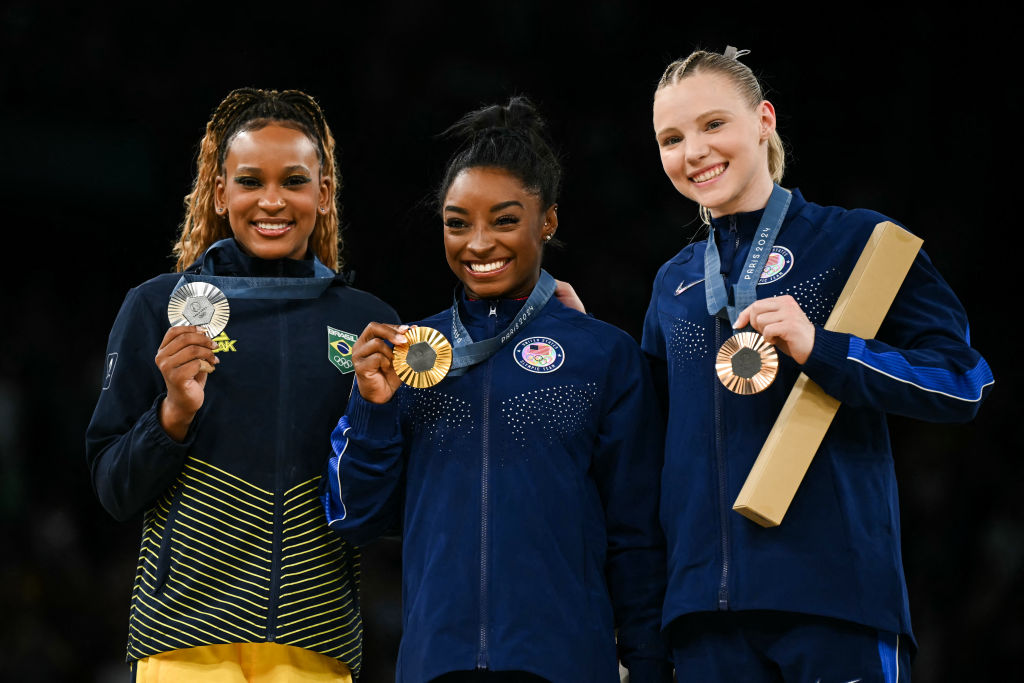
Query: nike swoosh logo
x=683, y=286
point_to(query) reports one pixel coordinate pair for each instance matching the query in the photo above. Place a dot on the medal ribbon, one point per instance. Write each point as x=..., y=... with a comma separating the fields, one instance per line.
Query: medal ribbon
x=744, y=291
x=261, y=287
x=466, y=352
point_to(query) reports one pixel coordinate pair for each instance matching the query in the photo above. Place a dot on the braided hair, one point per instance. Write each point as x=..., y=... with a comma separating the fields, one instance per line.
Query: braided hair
x=246, y=109
x=509, y=137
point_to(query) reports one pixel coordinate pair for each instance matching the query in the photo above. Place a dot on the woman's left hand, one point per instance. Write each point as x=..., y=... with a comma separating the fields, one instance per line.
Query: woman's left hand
x=567, y=295
x=782, y=322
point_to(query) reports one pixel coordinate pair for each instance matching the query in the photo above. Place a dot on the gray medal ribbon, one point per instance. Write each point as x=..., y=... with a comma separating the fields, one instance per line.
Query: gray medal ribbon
x=262, y=287
x=744, y=291
x=466, y=352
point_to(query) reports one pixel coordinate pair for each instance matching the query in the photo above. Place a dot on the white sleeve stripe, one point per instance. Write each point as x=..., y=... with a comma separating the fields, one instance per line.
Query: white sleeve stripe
x=923, y=388
x=337, y=476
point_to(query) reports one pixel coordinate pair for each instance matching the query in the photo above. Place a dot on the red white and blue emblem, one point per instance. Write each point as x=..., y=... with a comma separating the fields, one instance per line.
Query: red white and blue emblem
x=780, y=262
x=539, y=354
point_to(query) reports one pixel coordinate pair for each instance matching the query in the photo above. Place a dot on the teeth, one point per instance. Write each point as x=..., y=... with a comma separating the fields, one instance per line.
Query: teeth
x=487, y=267
x=709, y=174
x=272, y=226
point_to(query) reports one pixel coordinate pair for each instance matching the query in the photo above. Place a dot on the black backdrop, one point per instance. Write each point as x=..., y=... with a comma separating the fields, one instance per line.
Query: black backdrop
x=916, y=115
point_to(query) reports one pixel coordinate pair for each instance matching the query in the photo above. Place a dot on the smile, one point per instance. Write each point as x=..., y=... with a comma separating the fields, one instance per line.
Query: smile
x=488, y=267
x=271, y=229
x=708, y=174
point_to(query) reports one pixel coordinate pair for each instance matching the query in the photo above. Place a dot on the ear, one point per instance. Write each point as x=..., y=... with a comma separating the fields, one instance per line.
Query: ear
x=547, y=231
x=219, y=187
x=766, y=115
x=326, y=191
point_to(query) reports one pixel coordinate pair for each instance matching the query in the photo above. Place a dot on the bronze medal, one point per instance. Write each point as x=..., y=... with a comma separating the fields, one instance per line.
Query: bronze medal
x=200, y=304
x=424, y=360
x=747, y=363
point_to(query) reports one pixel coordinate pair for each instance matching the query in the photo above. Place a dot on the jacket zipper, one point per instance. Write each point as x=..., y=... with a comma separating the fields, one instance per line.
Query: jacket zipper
x=723, y=507
x=723, y=586
x=275, y=558
x=482, y=654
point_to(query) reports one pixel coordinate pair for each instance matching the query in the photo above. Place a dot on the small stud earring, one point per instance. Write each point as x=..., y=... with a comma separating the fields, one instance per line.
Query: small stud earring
x=547, y=238
x=323, y=209
x=220, y=209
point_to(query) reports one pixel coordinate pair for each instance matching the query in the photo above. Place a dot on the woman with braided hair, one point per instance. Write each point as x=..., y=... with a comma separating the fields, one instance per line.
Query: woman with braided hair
x=219, y=442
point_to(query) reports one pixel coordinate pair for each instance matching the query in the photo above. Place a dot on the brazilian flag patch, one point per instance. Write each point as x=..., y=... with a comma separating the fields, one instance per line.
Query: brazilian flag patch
x=339, y=349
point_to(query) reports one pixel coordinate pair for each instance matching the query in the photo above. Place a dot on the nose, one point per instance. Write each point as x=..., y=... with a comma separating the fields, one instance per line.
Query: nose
x=271, y=200
x=480, y=239
x=696, y=149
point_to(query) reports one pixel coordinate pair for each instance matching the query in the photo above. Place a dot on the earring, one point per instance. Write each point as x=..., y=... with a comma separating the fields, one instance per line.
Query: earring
x=220, y=209
x=323, y=209
x=547, y=238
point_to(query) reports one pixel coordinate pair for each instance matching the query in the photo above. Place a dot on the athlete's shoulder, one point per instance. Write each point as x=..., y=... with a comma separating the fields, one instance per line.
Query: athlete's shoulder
x=598, y=332
x=158, y=286
x=844, y=223
x=366, y=304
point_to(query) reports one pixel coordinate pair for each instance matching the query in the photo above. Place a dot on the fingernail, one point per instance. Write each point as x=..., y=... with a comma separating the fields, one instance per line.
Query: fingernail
x=403, y=328
x=402, y=339
x=216, y=359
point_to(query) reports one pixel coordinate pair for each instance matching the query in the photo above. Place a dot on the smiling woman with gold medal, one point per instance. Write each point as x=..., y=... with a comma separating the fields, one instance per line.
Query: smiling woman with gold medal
x=519, y=459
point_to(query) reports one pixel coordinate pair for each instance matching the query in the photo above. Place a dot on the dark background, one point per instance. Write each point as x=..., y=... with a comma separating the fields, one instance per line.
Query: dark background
x=915, y=114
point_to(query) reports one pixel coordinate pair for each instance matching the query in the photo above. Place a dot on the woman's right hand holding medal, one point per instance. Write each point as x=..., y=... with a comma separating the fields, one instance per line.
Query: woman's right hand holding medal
x=185, y=358
x=373, y=358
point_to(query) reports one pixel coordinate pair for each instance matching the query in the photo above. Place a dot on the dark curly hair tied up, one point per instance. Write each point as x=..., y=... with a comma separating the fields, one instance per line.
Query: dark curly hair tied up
x=510, y=137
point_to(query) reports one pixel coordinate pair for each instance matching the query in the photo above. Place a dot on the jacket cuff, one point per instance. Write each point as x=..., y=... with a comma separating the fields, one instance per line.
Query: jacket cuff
x=150, y=423
x=829, y=353
x=374, y=421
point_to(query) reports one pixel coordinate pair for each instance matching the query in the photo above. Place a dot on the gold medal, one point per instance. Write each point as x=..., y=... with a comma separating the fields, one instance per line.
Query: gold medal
x=425, y=359
x=747, y=363
x=200, y=304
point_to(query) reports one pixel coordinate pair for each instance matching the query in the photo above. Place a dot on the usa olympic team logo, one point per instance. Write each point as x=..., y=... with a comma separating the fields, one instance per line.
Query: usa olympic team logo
x=779, y=262
x=539, y=354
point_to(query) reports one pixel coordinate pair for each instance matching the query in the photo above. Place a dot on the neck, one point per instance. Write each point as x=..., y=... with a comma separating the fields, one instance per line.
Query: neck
x=755, y=199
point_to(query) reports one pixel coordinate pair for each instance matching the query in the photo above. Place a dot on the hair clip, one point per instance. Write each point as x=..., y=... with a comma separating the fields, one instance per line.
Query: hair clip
x=732, y=53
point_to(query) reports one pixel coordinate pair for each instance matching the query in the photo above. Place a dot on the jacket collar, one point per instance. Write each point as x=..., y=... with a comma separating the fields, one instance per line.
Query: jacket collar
x=746, y=223
x=227, y=258
x=474, y=313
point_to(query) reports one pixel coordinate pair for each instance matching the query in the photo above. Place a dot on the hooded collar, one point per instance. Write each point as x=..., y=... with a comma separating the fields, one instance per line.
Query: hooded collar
x=226, y=258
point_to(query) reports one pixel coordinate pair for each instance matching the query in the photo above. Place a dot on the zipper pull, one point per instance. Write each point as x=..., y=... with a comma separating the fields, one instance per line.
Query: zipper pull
x=494, y=309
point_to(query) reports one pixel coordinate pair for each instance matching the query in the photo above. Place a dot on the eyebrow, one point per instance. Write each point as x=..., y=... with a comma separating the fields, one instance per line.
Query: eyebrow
x=256, y=170
x=497, y=207
x=704, y=115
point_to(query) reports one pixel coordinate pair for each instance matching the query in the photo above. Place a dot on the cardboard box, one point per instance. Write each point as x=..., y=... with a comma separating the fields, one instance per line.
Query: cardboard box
x=808, y=412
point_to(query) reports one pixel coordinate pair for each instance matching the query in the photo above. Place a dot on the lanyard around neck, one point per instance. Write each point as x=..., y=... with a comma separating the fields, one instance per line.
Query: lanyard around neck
x=744, y=291
x=466, y=352
x=248, y=287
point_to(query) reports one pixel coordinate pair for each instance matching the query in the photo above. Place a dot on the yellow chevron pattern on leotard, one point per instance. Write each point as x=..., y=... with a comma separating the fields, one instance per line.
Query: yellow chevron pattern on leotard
x=206, y=570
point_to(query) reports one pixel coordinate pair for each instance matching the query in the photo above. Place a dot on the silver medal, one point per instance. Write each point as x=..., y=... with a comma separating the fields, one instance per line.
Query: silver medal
x=200, y=304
